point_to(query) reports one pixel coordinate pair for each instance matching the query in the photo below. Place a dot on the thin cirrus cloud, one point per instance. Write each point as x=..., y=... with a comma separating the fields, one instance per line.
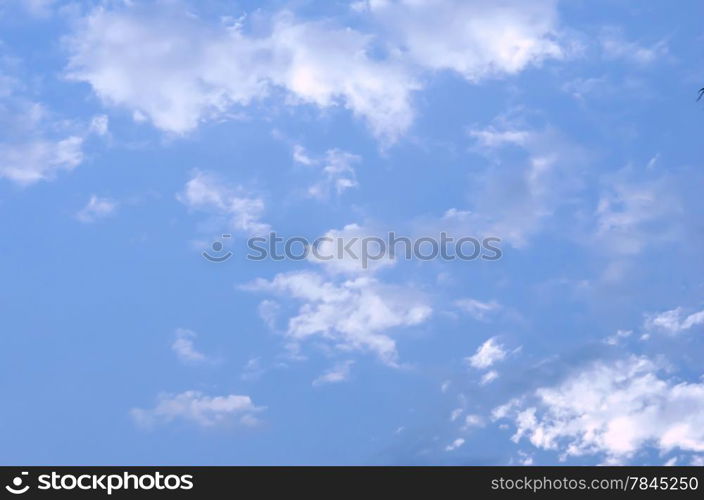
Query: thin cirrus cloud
x=519, y=194
x=615, y=45
x=477, y=309
x=516, y=197
x=629, y=209
x=177, y=70
x=37, y=8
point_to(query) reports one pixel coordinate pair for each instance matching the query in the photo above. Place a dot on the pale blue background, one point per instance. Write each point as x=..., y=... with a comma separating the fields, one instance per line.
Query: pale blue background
x=88, y=311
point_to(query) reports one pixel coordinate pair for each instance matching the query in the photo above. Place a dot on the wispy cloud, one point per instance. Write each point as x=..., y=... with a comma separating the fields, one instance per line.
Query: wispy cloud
x=673, y=321
x=615, y=46
x=96, y=208
x=240, y=210
x=477, y=309
x=339, y=373
x=335, y=169
x=184, y=347
x=200, y=409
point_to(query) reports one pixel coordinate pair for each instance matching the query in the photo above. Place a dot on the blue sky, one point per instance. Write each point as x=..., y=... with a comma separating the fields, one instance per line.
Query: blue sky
x=134, y=134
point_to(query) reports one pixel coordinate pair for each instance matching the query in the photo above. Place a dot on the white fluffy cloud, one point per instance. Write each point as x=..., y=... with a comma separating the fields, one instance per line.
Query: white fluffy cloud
x=177, y=70
x=203, y=410
x=457, y=443
x=487, y=354
x=206, y=192
x=164, y=64
x=325, y=65
x=96, y=208
x=473, y=38
x=353, y=315
x=615, y=409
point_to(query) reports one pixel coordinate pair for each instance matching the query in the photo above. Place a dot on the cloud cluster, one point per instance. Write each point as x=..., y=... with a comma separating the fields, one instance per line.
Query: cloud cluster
x=176, y=70
x=165, y=64
x=612, y=408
